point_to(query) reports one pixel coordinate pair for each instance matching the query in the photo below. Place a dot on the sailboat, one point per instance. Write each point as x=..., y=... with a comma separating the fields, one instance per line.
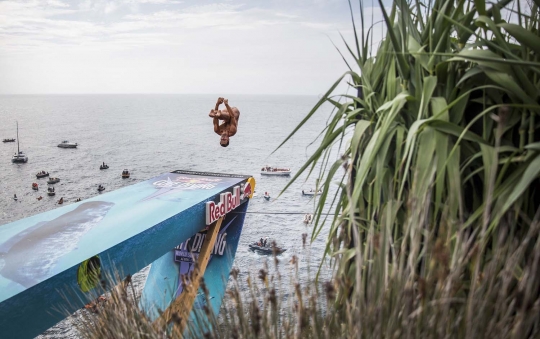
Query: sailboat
x=19, y=156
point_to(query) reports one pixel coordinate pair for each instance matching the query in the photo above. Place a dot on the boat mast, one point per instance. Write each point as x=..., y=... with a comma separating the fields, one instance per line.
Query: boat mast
x=18, y=138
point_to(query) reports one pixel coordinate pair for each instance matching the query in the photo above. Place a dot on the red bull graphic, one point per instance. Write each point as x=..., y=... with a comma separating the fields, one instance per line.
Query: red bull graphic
x=247, y=191
x=227, y=202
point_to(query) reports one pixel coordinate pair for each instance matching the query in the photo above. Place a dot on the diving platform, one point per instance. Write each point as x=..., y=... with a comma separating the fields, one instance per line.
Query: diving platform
x=53, y=263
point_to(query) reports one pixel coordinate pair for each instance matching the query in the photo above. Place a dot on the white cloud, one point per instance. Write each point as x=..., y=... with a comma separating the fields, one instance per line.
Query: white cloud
x=56, y=3
x=110, y=7
x=285, y=15
x=123, y=46
x=154, y=2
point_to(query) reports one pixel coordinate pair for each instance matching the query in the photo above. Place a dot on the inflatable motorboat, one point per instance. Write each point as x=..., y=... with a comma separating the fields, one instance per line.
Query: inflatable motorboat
x=52, y=181
x=268, y=249
x=67, y=144
x=50, y=191
x=125, y=174
x=311, y=192
x=42, y=174
x=102, y=167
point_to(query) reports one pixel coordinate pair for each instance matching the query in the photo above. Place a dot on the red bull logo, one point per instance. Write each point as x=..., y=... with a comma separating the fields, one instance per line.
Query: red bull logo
x=228, y=201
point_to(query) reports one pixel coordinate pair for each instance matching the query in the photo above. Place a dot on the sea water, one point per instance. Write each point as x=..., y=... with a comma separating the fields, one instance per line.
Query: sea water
x=154, y=134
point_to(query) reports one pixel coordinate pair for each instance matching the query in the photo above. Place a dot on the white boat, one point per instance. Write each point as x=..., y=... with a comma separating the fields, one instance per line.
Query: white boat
x=268, y=170
x=53, y=181
x=311, y=192
x=19, y=156
x=67, y=144
x=50, y=191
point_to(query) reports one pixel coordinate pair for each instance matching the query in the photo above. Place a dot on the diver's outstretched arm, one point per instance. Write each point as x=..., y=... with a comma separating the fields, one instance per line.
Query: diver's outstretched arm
x=226, y=102
x=233, y=122
x=216, y=126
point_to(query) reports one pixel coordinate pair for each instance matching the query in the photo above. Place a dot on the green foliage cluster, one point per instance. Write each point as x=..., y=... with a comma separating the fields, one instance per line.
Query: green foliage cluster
x=436, y=222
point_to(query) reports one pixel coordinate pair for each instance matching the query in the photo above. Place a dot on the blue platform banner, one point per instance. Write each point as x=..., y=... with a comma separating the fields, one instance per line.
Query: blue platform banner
x=53, y=260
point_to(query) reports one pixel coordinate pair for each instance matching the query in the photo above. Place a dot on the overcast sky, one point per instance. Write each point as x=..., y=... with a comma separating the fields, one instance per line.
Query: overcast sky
x=160, y=46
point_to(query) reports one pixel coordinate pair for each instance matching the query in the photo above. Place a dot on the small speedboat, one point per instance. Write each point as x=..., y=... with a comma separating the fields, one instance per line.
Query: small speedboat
x=268, y=249
x=50, y=191
x=102, y=167
x=275, y=171
x=42, y=174
x=35, y=186
x=311, y=192
x=101, y=188
x=52, y=181
x=266, y=196
x=9, y=140
x=67, y=144
x=125, y=174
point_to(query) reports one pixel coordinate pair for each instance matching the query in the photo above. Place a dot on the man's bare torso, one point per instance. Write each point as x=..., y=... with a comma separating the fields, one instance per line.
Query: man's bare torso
x=227, y=125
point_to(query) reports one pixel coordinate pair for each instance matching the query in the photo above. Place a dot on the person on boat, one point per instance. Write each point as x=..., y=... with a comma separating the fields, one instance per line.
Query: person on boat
x=264, y=242
x=230, y=118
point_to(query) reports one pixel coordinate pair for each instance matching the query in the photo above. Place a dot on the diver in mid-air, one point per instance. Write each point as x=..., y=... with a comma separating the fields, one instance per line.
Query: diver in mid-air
x=230, y=118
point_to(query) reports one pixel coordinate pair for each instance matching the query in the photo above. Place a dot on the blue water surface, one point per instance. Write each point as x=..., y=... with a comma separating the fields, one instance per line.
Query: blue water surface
x=154, y=134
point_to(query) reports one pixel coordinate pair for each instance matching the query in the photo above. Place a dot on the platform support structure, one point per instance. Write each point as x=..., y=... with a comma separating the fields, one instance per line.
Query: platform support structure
x=181, y=307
